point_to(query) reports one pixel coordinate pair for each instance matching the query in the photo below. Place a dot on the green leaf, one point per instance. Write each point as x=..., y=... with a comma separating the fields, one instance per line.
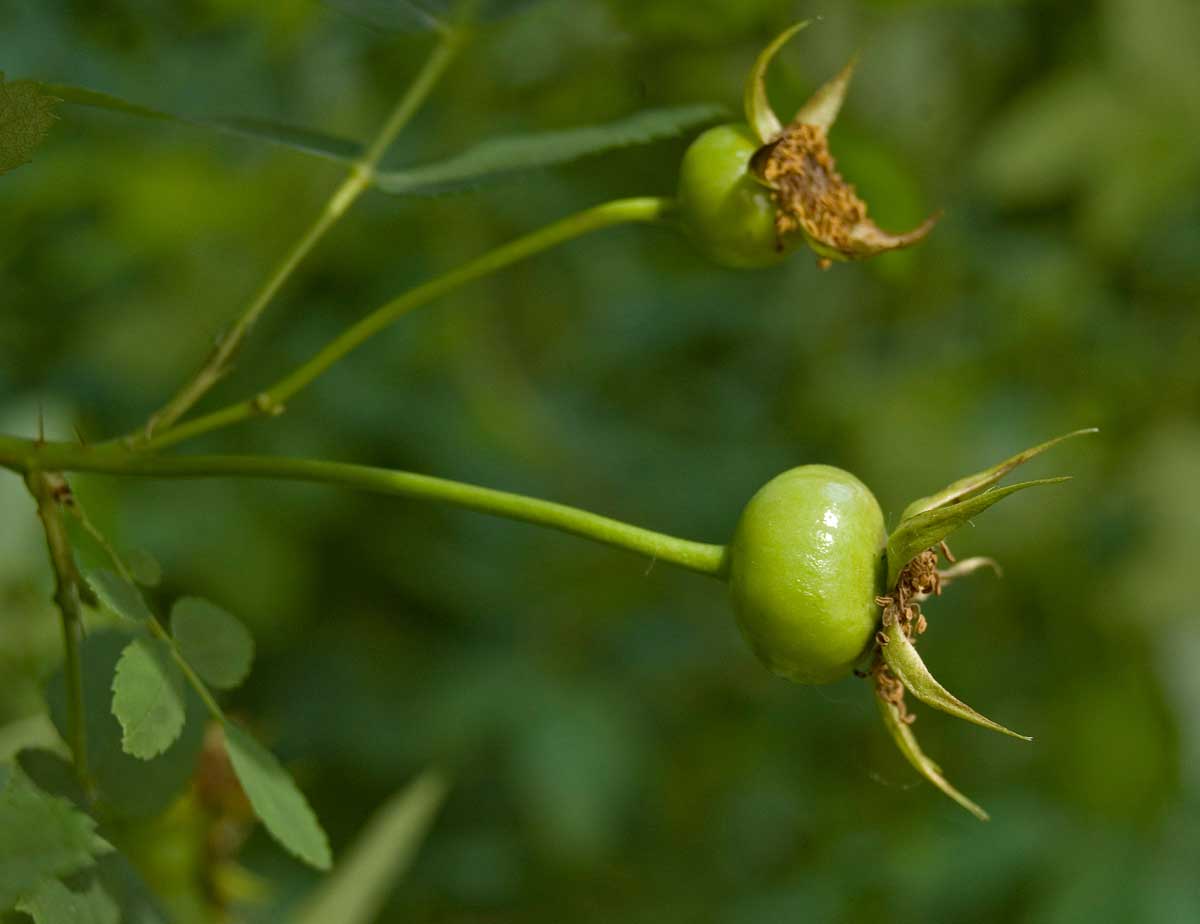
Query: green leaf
x=925, y=530
x=294, y=137
x=303, y=140
x=54, y=903
x=380, y=856
x=424, y=15
x=41, y=837
x=212, y=641
x=137, y=904
x=25, y=117
x=119, y=595
x=276, y=800
x=973, y=484
x=901, y=656
x=144, y=567
x=902, y=734
x=52, y=773
x=148, y=698
x=499, y=157
x=126, y=787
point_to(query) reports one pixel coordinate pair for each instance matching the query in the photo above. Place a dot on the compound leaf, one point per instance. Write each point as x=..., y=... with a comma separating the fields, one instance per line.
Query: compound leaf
x=148, y=698
x=41, y=837
x=25, y=117
x=212, y=641
x=303, y=140
x=126, y=787
x=499, y=157
x=276, y=800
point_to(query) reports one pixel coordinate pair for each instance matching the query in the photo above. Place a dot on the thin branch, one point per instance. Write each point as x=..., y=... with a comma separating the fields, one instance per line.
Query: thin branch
x=272, y=401
x=701, y=557
x=220, y=360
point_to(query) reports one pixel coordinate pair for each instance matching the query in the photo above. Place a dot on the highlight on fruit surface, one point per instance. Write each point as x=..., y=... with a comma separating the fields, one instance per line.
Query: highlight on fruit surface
x=820, y=588
x=749, y=194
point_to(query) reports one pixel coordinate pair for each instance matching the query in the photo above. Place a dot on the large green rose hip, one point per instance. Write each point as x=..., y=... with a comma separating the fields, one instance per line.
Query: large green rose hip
x=806, y=565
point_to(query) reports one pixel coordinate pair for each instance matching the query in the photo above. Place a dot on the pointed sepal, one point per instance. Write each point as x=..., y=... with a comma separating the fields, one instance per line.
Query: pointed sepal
x=967, y=567
x=925, y=530
x=823, y=106
x=759, y=114
x=906, y=741
x=902, y=659
x=974, y=484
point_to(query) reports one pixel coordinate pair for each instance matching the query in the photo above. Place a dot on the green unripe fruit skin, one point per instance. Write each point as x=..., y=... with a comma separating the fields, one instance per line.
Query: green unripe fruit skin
x=727, y=213
x=806, y=564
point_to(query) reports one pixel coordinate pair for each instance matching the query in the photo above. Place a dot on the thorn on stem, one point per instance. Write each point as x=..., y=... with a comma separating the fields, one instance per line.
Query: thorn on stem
x=267, y=406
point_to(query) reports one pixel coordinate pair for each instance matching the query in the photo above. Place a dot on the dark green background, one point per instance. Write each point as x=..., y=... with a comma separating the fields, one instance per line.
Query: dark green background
x=617, y=754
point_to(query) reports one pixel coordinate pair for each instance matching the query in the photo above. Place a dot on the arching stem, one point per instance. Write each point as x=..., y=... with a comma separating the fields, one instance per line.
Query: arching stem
x=273, y=400
x=704, y=558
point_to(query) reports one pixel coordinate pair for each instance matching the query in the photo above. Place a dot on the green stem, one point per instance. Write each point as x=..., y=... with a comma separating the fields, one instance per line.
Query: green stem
x=24, y=455
x=418, y=91
x=67, y=595
x=271, y=401
x=220, y=360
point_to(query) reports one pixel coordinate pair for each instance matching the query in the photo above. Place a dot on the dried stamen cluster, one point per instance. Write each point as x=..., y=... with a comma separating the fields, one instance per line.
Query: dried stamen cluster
x=810, y=194
x=812, y=198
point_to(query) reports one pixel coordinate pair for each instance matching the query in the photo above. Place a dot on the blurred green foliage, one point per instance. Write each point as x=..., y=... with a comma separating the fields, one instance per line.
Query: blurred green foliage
x=615, y=750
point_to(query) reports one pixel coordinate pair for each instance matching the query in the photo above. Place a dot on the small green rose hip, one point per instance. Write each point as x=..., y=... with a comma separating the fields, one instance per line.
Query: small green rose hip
x=751, y=193
x=726, y=211
x=819, y=586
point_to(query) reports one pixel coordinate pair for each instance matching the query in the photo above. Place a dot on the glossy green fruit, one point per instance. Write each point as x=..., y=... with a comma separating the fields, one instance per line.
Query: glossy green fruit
x=806, y=564
x=727, y=213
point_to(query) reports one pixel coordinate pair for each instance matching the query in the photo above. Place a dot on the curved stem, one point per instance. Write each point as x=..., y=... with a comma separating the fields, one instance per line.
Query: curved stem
x=220, y=360
x=271, y=401
x=25, y=455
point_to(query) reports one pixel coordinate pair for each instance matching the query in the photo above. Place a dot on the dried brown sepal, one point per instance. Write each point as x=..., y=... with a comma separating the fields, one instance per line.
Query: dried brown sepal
x=812, y=199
